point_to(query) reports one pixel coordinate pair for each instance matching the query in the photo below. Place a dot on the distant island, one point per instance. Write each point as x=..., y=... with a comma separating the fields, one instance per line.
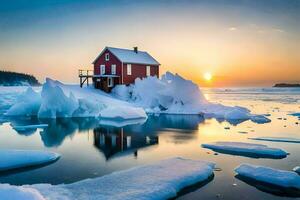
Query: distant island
x=8, y=78
x=286, y=85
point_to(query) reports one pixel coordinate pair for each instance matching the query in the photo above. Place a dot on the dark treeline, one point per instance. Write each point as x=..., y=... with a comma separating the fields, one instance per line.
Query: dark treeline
x=17, y=79
x=286, y=85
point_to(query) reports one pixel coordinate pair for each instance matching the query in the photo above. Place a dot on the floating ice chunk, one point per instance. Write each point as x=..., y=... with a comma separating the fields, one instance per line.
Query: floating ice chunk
x=246, y=149
x=14, y=159
x=28, y=104
x=161, y=180
x=237, y=114
x=121, y=123
x=297, y=169
x=260, y=119
x=295, y=114
x=277, y=139
x=122, y=112
x=282, y=178
x=26, y=127
x=19, y=193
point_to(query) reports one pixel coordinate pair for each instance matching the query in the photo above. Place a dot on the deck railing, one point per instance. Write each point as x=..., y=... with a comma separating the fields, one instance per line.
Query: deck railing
x=85, y=72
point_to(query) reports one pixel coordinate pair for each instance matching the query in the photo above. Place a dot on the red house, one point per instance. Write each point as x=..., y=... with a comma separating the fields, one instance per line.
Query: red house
x=116, y=66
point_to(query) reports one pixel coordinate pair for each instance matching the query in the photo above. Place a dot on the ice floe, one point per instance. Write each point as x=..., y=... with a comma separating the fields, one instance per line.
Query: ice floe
x=278, y=139
x=282, y=178
x=14, y=159
x=246, y=149
x=161, y=180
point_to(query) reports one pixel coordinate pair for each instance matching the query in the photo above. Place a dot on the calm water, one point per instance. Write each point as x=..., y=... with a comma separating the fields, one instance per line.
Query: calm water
x=91, y=148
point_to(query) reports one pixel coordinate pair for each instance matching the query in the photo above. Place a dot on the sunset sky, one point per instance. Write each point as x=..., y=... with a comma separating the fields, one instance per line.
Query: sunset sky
x=241, y=43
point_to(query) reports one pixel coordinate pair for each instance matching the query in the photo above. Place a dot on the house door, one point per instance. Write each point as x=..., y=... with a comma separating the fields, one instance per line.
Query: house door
x=110, y=82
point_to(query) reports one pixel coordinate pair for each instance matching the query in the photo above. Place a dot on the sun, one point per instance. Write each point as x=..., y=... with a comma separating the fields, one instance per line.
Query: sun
x=207, y=76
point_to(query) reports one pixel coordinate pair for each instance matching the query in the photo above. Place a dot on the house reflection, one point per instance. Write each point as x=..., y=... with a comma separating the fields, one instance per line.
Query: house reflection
x=115, y=142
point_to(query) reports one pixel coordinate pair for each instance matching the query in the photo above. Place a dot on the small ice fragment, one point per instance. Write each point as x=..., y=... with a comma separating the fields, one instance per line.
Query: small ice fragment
x=297, y=169
x=14, y=159
x=282, y=178
x=246, y=149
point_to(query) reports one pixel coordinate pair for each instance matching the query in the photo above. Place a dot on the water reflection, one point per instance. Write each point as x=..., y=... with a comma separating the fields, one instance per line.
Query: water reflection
x=112, y=137
x=115, y=142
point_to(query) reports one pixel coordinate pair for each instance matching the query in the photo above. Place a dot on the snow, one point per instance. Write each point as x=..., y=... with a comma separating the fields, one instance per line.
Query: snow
x=161, y=180
x=246, y=149
x=172, y=94
x=277, y=139
x=58, y=100
x=19, y=193
x=281, y=178
x=13, y=159
x=129, y=56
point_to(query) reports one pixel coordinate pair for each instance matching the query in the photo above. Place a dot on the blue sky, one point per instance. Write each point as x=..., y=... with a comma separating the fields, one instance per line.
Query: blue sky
x=60, y=36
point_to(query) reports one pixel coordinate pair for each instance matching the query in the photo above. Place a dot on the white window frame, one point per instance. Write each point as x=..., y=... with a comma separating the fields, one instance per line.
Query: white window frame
x=102, y=69
x=129, y=72
x=148, y=70
x=107, y=57
x=113, y=69
x=110, y=82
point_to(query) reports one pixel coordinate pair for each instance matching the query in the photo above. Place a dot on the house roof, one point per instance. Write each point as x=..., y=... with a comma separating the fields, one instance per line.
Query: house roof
x=129, y=56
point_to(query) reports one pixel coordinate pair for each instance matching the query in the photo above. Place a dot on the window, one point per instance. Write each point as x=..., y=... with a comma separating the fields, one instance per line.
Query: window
x=107, y=57
x=113, y=69
x=148, y=71
x=110, y=82
x=102, y=69
x=128, y=69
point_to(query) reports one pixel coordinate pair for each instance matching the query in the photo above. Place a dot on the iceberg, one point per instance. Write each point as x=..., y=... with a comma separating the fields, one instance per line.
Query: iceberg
x=246, y=149
x=277, y=139
x=281, y=178
x=57, y=100
x=27, y=104
x=172, y=94
x=161, y=180
x=15, y=159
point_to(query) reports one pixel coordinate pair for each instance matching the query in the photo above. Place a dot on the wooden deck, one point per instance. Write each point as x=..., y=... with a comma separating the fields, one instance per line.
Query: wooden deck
x=84, y=76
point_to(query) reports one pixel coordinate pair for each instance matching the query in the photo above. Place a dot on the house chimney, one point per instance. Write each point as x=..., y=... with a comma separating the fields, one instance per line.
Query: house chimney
x=135, y=49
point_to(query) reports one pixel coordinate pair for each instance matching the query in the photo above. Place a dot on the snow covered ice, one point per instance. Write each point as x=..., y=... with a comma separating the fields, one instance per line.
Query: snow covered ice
x=19, y=193
x=161, y=180
x=278, y=139
x=173, y=94
x=246, y=149
x=59, y=100
x=14, y=159
x=282, y=178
